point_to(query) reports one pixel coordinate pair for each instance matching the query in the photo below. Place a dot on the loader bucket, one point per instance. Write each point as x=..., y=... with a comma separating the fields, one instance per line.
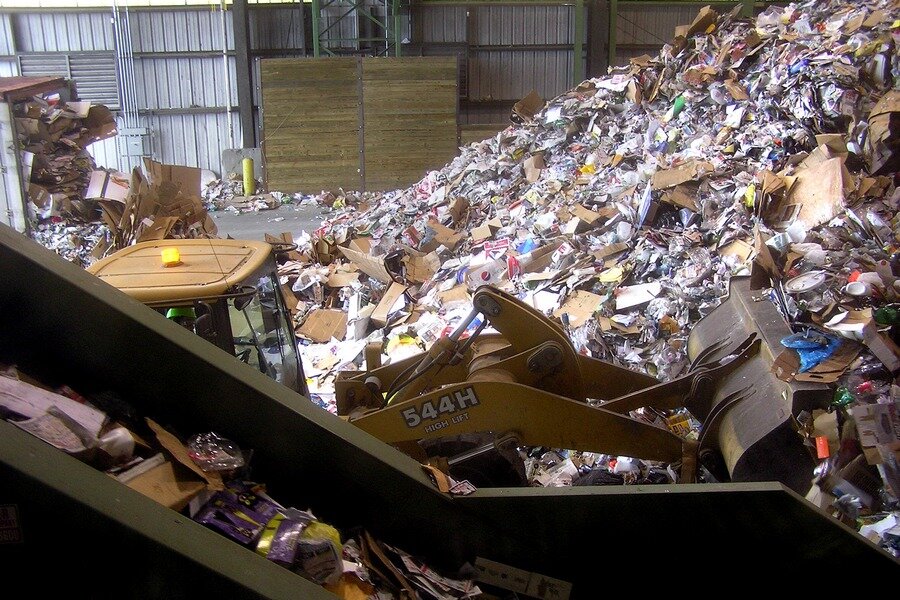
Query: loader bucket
x=754, y=430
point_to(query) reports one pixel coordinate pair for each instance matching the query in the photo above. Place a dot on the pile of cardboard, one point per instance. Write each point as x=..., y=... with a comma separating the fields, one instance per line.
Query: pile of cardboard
x=162, y=202
x=54, y=138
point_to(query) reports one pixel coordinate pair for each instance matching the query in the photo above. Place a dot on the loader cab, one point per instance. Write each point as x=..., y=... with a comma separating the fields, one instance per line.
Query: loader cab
x=225, y=291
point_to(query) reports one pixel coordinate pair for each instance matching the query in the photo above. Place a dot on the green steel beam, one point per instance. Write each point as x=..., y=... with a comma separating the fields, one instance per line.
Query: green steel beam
x=316, y=16
x=578, y=47
x=395, y=7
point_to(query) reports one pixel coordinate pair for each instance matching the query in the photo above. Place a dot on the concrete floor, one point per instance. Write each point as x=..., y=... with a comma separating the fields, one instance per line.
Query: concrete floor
x=254, y=225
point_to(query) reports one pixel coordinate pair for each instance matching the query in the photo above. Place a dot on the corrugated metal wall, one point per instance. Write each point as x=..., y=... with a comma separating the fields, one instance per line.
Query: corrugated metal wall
x=7, y=48
x=61, y=31
x=643, y=29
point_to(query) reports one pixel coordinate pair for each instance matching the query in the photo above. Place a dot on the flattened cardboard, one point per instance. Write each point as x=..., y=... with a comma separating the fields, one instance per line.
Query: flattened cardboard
x=341, y=279
x=738, y=248
x=159, y=230
x=459, y=208
x=361, y=244
x=528, y=106
x=881, y=143
x=610, y=250
x=99, y=125
x=323, y=324
x=682, y=196
x=787, y=365
x=589, y=217
x=386, y=306
x=458, y=293
x=371, y=266
x=186, y=178
x=692, y=170
x=538, y=259
x=483, y=232
x=445, y=236
x=737, y=91
x=579, y=307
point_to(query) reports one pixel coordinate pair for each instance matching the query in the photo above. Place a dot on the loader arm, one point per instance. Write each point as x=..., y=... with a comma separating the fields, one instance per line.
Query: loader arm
x=530, y=383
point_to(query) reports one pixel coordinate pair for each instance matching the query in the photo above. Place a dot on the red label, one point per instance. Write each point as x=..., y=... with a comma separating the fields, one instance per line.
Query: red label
x=822, y=447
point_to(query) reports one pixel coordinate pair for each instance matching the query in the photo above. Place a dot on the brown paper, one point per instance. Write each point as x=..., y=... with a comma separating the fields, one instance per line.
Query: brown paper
x=819, y=190
x=533, y=166
x=458, y=209
x=737, y=91
x=324, y=324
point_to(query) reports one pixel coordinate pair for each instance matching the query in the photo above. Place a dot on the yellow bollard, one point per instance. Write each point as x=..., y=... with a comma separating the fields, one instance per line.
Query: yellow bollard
x=249, y=180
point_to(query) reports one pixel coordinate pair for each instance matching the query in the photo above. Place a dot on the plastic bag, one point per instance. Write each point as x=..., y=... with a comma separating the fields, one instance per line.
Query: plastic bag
x=211, y=452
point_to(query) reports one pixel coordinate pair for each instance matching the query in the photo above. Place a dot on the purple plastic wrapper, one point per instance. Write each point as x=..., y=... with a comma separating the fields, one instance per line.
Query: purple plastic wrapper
x=253, y=496
x=279, y=540
x=227, y=516
x=239, y=512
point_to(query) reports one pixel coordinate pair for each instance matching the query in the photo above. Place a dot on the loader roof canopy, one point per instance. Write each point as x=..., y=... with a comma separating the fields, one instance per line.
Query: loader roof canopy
x=208, y=268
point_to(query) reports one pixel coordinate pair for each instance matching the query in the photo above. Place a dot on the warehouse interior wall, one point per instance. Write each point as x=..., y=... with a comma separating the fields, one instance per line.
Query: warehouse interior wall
x=188, y=101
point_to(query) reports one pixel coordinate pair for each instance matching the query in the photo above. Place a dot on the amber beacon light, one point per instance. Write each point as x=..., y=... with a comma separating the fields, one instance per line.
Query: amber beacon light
x=171, y=257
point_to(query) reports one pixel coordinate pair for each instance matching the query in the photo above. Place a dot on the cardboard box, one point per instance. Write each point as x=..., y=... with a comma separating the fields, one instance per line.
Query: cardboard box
x=170, y=484
x=186, y=178
x=324, y=324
